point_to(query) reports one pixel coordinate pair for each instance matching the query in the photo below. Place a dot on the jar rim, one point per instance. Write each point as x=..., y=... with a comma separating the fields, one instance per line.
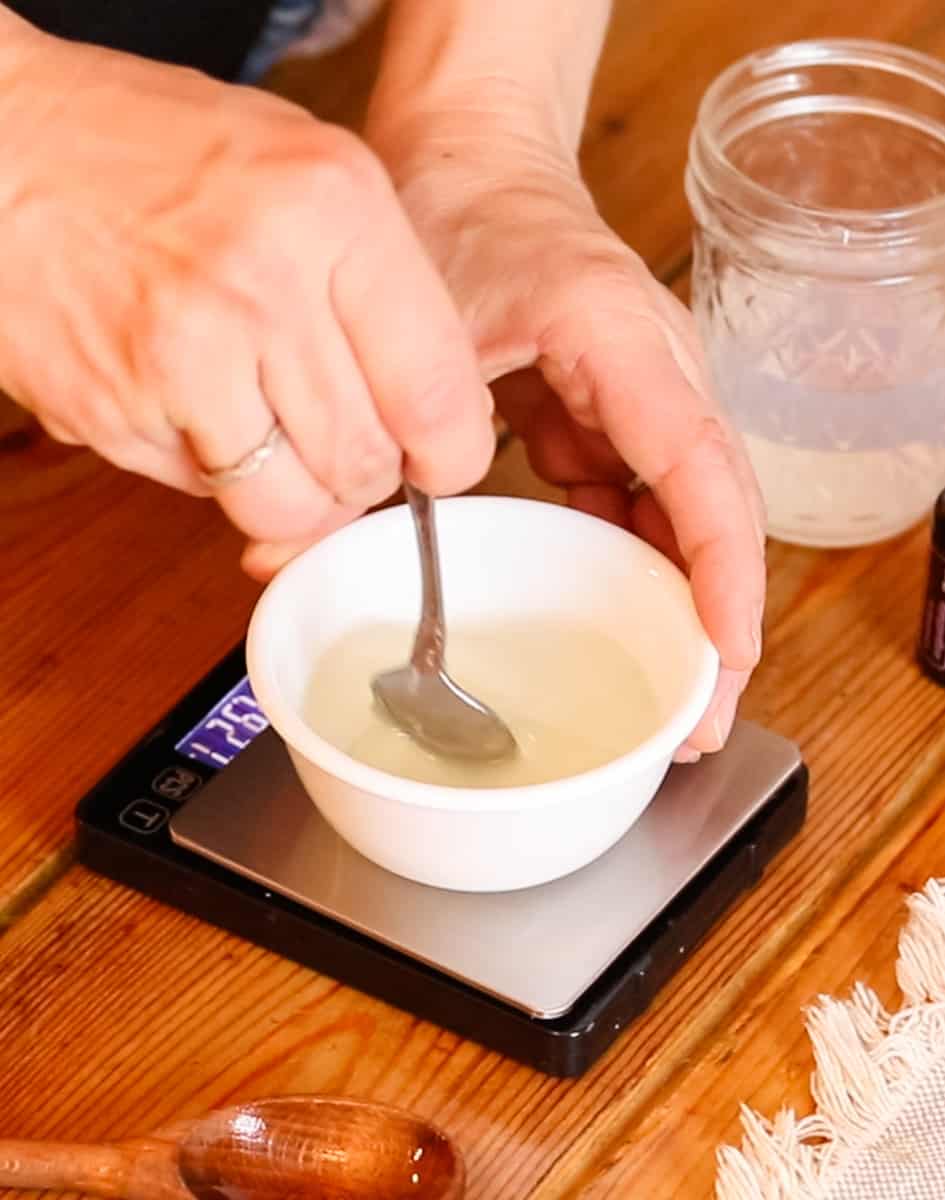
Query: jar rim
x=895, y=225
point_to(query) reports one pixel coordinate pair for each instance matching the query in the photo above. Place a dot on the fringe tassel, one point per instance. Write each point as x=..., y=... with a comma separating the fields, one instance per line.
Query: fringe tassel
x=868, y=1064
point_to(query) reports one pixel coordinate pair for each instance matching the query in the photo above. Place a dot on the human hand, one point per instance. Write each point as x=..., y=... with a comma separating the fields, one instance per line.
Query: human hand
x=594, y=364
x=185, y=263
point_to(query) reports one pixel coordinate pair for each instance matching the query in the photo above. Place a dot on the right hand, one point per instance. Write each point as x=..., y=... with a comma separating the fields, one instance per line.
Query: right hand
x=597, y=367
x=185, y=262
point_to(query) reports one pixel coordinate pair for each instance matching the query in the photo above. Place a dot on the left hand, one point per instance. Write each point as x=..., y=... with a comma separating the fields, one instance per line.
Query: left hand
x=594, y=364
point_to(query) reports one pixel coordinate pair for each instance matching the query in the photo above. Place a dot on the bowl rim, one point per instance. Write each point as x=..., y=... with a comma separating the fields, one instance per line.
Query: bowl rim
x=301, y=739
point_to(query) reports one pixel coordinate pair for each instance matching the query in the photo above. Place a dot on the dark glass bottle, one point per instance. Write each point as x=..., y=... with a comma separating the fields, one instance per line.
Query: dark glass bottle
x=932, y=634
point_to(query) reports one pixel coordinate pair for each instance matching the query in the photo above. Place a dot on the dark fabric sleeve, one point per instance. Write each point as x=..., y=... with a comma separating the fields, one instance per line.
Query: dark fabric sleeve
x=213, y=35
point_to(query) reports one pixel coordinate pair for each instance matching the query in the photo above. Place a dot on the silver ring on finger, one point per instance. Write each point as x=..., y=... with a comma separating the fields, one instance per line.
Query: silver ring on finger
x=251, y=462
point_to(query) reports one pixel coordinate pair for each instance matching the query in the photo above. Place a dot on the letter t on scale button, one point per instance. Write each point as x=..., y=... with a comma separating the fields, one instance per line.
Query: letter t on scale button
x=144, y=816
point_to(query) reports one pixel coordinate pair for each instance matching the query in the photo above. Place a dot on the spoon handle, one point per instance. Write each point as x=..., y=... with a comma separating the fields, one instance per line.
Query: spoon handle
x=427, y=656
x=61, y=1167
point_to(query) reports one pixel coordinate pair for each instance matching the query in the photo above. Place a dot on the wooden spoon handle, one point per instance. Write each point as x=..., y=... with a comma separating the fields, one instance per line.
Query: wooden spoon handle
x=61, y=1167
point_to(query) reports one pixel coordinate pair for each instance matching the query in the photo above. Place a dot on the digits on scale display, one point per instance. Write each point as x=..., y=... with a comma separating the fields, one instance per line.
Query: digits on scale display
x=226, y=729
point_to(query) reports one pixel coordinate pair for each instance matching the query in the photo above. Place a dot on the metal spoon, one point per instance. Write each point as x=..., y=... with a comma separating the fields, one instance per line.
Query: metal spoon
x=421, y=697
x=307, y=1147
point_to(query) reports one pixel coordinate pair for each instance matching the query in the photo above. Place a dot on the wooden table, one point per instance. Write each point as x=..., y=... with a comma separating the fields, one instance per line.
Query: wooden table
x=117, y=1014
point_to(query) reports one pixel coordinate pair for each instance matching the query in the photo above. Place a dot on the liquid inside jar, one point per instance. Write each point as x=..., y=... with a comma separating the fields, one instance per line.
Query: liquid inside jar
x=820, y=296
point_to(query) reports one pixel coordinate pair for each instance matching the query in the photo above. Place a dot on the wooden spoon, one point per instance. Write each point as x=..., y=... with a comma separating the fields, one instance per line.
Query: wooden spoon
x=290, y=1148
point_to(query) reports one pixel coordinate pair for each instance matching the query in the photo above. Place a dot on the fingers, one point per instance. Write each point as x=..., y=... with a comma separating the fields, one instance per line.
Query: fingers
x=604, y=500
x=303, y=300
x=261, y=560
x=642, y=515
x=585, y=463
x=713, y=730
x=283, y=501
x=672, y=435
x=688, y=354
x=373, y=378
x=558, y=450
x=111, y=437
x=175, y=468
x=417, y=359
x=638, y=511
x=317, y=392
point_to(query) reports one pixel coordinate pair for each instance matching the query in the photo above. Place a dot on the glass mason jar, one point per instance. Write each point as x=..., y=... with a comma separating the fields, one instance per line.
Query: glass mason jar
x=816, y=179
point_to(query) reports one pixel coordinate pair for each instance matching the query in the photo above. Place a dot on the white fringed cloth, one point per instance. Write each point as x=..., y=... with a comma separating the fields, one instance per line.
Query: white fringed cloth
x=879, y=1089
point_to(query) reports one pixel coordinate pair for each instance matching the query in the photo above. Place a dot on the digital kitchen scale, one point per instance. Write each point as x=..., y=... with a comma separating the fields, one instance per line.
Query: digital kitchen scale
x=206, y=814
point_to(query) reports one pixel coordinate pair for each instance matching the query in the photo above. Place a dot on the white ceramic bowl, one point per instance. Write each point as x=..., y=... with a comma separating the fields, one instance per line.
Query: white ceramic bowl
x=501, y=557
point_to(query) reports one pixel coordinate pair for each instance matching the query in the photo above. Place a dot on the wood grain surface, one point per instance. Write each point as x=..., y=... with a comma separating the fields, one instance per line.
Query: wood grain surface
x=116, y=594
x=117, y=1015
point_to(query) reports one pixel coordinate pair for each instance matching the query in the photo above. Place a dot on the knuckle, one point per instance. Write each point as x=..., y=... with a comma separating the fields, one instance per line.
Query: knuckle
x=706, y=445
x=330, y=173
x=712, y=436
x=58, y=430
x=81, y=411
x=163, y=348
x=344, y=147
x=162, y=315
x=368, y=470
x=124, y=453
x=430, y=410
x=701, y=445
x=577, y=383
x=340, y=166
x=182, y=335
x=444, y=400
x=602, y=270
x=179, y=328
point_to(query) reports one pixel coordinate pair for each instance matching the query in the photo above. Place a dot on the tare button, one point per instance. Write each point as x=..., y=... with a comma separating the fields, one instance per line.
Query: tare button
x=144, y=816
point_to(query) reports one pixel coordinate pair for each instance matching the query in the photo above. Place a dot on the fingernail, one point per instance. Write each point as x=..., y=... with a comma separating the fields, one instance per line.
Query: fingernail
x=686, y=754
x=724, y=716
x=722, y=723
x=760, y=521
x=757, y=627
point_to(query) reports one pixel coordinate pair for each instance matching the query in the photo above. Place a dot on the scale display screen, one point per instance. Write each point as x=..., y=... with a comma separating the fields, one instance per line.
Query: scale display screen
x=226, y=729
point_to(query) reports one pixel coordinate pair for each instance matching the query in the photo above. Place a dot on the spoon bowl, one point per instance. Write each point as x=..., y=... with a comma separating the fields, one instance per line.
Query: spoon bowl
x=320, y=1149
x=306, y=1147
x=420, y=697
x=441, y=716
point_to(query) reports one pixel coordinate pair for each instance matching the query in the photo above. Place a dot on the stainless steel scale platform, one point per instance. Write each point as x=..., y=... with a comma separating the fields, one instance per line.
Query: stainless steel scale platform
x=549, y=975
